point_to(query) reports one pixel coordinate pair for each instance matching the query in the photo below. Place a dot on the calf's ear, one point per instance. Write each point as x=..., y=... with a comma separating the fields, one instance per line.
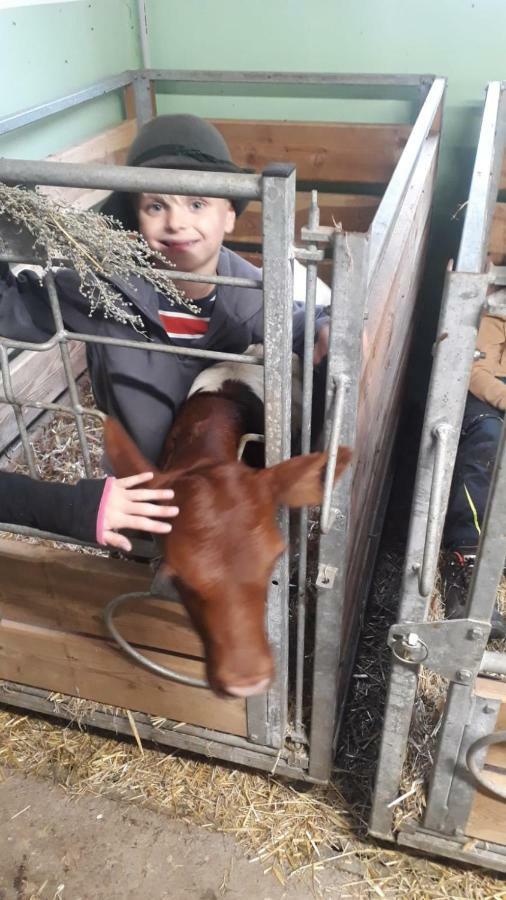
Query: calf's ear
x=124, y=456
x=299, y=481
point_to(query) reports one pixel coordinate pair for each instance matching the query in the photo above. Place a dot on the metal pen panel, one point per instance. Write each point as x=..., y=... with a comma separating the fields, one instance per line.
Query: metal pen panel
x=348, y=305
x=463, y=298
x=386, y=214
x=278, y=228
x=485, y=182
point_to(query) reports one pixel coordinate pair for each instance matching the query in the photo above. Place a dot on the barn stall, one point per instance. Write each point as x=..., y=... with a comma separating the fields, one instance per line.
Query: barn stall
x=367, y=229
x=450, y=662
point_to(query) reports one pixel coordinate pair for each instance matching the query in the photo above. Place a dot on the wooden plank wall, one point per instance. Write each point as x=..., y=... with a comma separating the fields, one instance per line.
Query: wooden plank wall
x=386, y=345
x=52, y=636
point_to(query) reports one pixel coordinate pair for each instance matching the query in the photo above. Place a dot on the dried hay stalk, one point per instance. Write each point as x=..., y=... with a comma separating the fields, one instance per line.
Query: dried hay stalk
x=96, y=246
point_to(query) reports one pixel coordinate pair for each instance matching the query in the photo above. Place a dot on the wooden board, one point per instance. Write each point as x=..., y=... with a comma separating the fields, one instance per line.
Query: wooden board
x=487, y=819
x=37, y=375
x=497, y=246
x=52, y=637
x=109, y=146
x=354, y=212
x=321, y=151
x=50, y=589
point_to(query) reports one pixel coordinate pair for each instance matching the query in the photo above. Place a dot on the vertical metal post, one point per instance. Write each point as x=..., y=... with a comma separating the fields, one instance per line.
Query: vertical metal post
x=67, y=366
x=307, y=396
x=143, y=34
x=143, y=99
x=278, y=226
x=349, y=296
x=463, y=299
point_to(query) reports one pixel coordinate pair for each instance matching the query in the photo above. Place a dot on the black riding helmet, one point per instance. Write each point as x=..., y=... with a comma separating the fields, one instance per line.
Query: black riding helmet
x=174, y=142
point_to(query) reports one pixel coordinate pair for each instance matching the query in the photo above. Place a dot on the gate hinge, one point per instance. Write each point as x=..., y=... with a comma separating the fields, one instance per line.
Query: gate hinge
x=452, y=647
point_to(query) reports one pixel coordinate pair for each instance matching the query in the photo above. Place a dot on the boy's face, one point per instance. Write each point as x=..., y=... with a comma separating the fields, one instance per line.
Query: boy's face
x=188, y=231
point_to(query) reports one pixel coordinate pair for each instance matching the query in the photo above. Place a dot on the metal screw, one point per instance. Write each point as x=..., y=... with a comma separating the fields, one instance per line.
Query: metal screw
x=488, y=708
x=464, y=675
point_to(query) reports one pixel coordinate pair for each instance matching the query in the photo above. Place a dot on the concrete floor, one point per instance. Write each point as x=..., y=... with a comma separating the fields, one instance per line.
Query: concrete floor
x=55, y=848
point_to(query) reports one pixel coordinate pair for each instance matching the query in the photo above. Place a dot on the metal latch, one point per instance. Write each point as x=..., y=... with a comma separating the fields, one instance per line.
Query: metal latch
x=452, y=647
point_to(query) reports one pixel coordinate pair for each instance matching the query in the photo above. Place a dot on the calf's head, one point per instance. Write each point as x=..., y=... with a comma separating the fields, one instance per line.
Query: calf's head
x=223, y=547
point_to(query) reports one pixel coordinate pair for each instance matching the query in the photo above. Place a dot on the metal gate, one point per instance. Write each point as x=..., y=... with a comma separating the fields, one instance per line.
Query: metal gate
x=456, y=649
x=361, y=263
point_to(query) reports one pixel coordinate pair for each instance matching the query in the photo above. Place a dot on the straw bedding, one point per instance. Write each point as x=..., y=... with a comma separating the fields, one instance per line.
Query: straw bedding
x=294, y=833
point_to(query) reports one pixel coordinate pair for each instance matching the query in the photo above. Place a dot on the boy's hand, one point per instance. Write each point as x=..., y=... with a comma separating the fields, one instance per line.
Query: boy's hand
x=321, y=347
x=136, y=509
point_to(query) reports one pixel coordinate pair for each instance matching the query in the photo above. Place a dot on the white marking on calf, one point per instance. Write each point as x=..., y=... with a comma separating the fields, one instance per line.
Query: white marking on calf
x=212, y=379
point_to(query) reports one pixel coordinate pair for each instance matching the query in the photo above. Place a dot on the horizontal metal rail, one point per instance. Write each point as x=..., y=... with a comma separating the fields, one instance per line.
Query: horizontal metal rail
x=44, y=110
x=132, y=179
x=386, y=214
x=133, y=345
x=317, y=78
x=493, y=662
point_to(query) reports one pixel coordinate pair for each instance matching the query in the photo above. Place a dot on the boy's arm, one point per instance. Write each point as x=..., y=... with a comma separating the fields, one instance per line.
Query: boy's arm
x=50, y=506
x=492, y=342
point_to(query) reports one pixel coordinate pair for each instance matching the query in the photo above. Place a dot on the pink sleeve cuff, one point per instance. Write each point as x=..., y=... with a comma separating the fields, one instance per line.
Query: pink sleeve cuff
x=101, y=509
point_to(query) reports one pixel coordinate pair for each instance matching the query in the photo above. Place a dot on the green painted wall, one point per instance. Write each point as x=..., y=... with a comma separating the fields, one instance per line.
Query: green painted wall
x=461, y=39
x=47, y=51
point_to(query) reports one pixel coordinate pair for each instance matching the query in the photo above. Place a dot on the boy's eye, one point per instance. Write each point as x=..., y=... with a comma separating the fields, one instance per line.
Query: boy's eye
x=197, y=204
x=154, y=206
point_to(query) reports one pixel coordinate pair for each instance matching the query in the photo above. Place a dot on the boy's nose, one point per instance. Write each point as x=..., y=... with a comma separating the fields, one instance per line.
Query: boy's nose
x=175, y=219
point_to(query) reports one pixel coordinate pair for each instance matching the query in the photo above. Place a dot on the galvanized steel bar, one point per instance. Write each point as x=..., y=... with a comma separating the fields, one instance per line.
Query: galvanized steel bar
x=349, y=294
x=142, y=17
x=77, y=408
x=463, y=298
x=485, y=182
x=143, y=99
x=442, y=434
x=386, y=214
x=341, y=386
x=16, y=407
x=278, y=228
x=319, y=78
x=307, y=397
x=459, y=702
x=131, y=178
x=493, y=662
x=44, y=110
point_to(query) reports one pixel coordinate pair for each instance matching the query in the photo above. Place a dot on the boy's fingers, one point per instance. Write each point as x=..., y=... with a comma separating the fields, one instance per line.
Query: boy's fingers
x=150, y=495
x=119, y=541
x=150, y=509
x=143, y=523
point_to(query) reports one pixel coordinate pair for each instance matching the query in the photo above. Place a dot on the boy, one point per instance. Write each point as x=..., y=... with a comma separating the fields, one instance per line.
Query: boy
x=145, y=389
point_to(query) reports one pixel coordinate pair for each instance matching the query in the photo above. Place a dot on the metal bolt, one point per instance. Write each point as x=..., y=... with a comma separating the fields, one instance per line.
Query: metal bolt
x=476, y=633
x=488, y=708
x=464, y=675
x=413, y=639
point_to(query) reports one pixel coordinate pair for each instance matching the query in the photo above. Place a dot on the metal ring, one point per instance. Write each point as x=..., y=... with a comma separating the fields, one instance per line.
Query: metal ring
x=109, y=612
x=497, y=737
x=410, y=662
